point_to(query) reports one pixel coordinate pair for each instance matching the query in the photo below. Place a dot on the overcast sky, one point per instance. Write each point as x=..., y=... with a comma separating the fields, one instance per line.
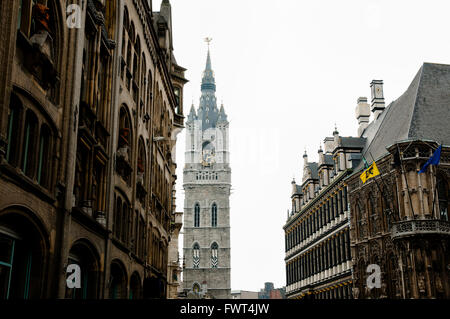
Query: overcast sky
x=287, y=71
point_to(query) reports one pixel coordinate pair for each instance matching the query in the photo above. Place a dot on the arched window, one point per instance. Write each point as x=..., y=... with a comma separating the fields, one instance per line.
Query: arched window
x=442, y=189
x=85, y=257
x=177, y=92
x=372, y=214
x=136, y=234
x=135, y=287
x=44, y=163
x=29, y=145
x=136, y=64
x=124, y=132
x=214, y=215
x=214, y=255
x=15, y=111
x=124, y=223
x=359, y=221
x=118, y=218
x=131, y=32
x=143, y=84
x=149, y=90
x=126, y=19
x=141, y=160
x=118, y=281
x=196, y=256
x=197, y=215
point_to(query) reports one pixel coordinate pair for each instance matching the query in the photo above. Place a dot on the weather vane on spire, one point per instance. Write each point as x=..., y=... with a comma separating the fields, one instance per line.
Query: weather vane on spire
x=208, y=40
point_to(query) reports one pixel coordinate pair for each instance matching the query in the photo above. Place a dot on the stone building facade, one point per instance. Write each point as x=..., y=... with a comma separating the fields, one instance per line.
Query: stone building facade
x=88, y=123
x=317, y=232
x=400, y=219
x=207, y=183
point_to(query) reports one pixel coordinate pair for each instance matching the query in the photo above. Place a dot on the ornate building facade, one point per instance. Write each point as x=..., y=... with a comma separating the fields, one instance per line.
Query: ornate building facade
x=317, y=232
x=207, y=183
x=89, y=115
x=398, y=220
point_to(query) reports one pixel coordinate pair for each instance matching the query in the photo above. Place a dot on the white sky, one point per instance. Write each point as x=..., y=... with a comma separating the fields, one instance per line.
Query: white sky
x=287, y=70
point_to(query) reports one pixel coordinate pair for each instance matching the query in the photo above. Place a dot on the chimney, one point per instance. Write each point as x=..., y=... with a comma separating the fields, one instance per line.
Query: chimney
x=376, y=87
x=362, y=112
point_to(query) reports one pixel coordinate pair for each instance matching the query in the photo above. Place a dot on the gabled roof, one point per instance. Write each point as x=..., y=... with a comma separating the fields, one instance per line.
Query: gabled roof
x=328, y=159
x=313, y=167
x=298, y=190
x=421, y=113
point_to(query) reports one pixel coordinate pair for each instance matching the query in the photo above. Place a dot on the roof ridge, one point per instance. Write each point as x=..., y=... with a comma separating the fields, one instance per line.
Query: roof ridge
x=416, y=96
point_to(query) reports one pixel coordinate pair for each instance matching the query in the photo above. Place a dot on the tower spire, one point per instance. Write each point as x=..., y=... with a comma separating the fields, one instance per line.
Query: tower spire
x=208, y=81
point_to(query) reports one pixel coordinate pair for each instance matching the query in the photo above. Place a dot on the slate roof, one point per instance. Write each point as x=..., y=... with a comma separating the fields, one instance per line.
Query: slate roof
x=314, y=169
x=352, y=142
x=421, y=113
x=208, y=111
x=328, y=159
x=298, y=189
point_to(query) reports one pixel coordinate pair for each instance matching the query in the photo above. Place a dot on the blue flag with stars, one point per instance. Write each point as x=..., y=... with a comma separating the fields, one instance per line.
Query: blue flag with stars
x=433, y=160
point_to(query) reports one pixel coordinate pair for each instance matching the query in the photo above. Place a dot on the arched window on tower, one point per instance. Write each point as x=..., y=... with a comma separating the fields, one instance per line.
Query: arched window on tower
x=197, y=215
x=196, y=256
x=214, y=215
x=442, y=190
x=214, y=255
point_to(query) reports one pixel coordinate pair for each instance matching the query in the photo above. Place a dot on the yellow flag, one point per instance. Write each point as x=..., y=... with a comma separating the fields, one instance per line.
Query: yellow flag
x=372, y=171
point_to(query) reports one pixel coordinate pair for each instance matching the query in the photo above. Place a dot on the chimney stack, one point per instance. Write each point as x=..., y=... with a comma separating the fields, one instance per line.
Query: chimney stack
x=362, y=112
x=376, y=87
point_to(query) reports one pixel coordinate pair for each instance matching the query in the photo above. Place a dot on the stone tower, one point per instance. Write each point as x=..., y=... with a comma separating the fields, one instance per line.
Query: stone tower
x=207, y=183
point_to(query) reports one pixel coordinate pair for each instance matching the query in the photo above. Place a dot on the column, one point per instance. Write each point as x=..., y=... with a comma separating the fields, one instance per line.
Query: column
x=336, y=206
x=344, y=246
x=332, y=207
x=347, y=236
x=328, y=211
x=321, y=216
x=302, y=227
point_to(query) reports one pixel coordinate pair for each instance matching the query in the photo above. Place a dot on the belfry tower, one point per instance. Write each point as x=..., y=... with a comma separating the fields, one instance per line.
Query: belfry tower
x=207, y=183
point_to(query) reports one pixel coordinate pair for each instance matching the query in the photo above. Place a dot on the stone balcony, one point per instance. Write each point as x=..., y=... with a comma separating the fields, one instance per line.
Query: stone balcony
x=416, y=227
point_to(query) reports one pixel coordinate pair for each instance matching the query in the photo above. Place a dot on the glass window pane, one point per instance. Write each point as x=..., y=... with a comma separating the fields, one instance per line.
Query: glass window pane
x=6, y=246
x=4, y=281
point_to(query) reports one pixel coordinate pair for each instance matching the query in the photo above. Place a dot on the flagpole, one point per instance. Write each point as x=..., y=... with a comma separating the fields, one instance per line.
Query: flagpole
x=433, y=173
x=406, y=179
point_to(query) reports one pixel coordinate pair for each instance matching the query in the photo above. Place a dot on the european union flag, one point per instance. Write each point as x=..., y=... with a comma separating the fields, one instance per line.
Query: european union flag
x=433, y=160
